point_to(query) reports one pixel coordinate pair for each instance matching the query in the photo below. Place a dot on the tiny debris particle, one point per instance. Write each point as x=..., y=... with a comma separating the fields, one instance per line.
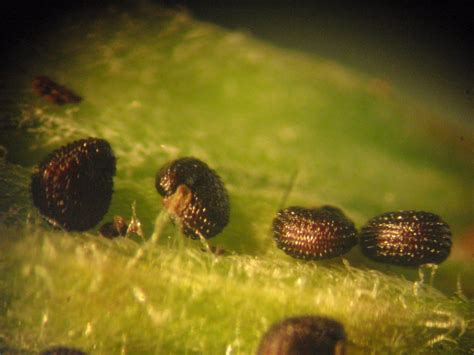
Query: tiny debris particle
x=72, y=187
x=195, y=197
x=304, y=335
x=312, y=234
x=117, y=228
x=406, y=238
x=53, y=92
x=62, y=351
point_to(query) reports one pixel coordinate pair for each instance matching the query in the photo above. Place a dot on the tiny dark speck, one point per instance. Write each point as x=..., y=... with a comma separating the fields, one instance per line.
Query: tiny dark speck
x=114, y=229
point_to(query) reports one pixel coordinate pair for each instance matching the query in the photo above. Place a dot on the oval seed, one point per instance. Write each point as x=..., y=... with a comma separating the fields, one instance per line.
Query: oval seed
x=194, y=196
x=53, y=92
x=407, y=238
x=304, y=335
x=317, y=233
x=117, y=228
x=72, y=187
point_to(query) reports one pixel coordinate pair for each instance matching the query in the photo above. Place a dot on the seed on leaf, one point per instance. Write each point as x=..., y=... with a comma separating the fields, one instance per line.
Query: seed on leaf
x=316, y=233
x=62, y=351
x=194, y=196
x=303, y=336
x=53, y=92
x=72, y=187
x=407, y=238
x=114, y=229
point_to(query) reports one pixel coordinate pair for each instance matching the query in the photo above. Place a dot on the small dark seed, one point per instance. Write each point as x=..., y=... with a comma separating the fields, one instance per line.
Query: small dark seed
x=317, y=233
x=407, y=238
x=114, y=229
x=304, y=335
x=194, y=196
x=53, y=92
x=62, y=351
x=72, y=187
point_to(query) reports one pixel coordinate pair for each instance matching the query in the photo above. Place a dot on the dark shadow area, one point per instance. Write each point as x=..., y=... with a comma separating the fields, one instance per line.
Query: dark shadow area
x=424, y=48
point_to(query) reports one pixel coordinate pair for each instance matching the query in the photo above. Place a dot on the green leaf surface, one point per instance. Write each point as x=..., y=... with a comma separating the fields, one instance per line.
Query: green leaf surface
x=281, y=128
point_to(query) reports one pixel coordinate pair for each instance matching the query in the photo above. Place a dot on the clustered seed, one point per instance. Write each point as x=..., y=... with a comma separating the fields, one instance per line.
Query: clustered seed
x=304, y=335
x=317, y=233
x=53, y=92
x=72, y=187
x=407, y=238
x=194, y=196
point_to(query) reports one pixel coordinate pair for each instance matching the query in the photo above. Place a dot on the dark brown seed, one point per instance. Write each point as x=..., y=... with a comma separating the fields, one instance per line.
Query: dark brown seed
x=72, y=187
x=407, y=238
x=304, y=335
x=62, y=351
x=114, y=229
x=194, y=196
x=317, y=233
x=53, y=92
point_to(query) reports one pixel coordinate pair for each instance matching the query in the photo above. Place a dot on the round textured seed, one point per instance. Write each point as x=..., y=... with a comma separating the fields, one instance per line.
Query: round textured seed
x=72, y=187
x=114, y=229
x=407, y=238
x=53, y=92
x=59, y=350
x=317, y=233
x=194, y=196
x=304, y=335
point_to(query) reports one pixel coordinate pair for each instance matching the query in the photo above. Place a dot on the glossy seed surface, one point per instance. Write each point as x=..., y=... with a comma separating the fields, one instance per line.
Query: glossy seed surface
x=117, y=228
x=317, y=233
x=195, y=197
x=303, y=336
x=407, y=238
x=62, y=351
x=72, y=187
x=53, y=92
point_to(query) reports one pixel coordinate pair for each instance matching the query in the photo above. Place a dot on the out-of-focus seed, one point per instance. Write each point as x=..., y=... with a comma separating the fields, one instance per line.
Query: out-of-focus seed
x=304, y=335
x=53, y=92
x=60, y=350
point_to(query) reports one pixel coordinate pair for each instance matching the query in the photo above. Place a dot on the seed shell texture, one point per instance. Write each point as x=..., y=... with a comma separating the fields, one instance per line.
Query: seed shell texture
x=195, y=197
x=406, y=238
x=72, y=187
x=312, y=234
x=304, y=335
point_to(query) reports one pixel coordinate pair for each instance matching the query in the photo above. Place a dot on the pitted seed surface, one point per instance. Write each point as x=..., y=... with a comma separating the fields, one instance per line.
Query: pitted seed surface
x=195, y=196
x=317, y=233
x=407, y=238
x=72, y=187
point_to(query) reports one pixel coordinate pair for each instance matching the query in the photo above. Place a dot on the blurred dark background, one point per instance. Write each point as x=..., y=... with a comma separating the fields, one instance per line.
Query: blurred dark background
x=424, y=48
